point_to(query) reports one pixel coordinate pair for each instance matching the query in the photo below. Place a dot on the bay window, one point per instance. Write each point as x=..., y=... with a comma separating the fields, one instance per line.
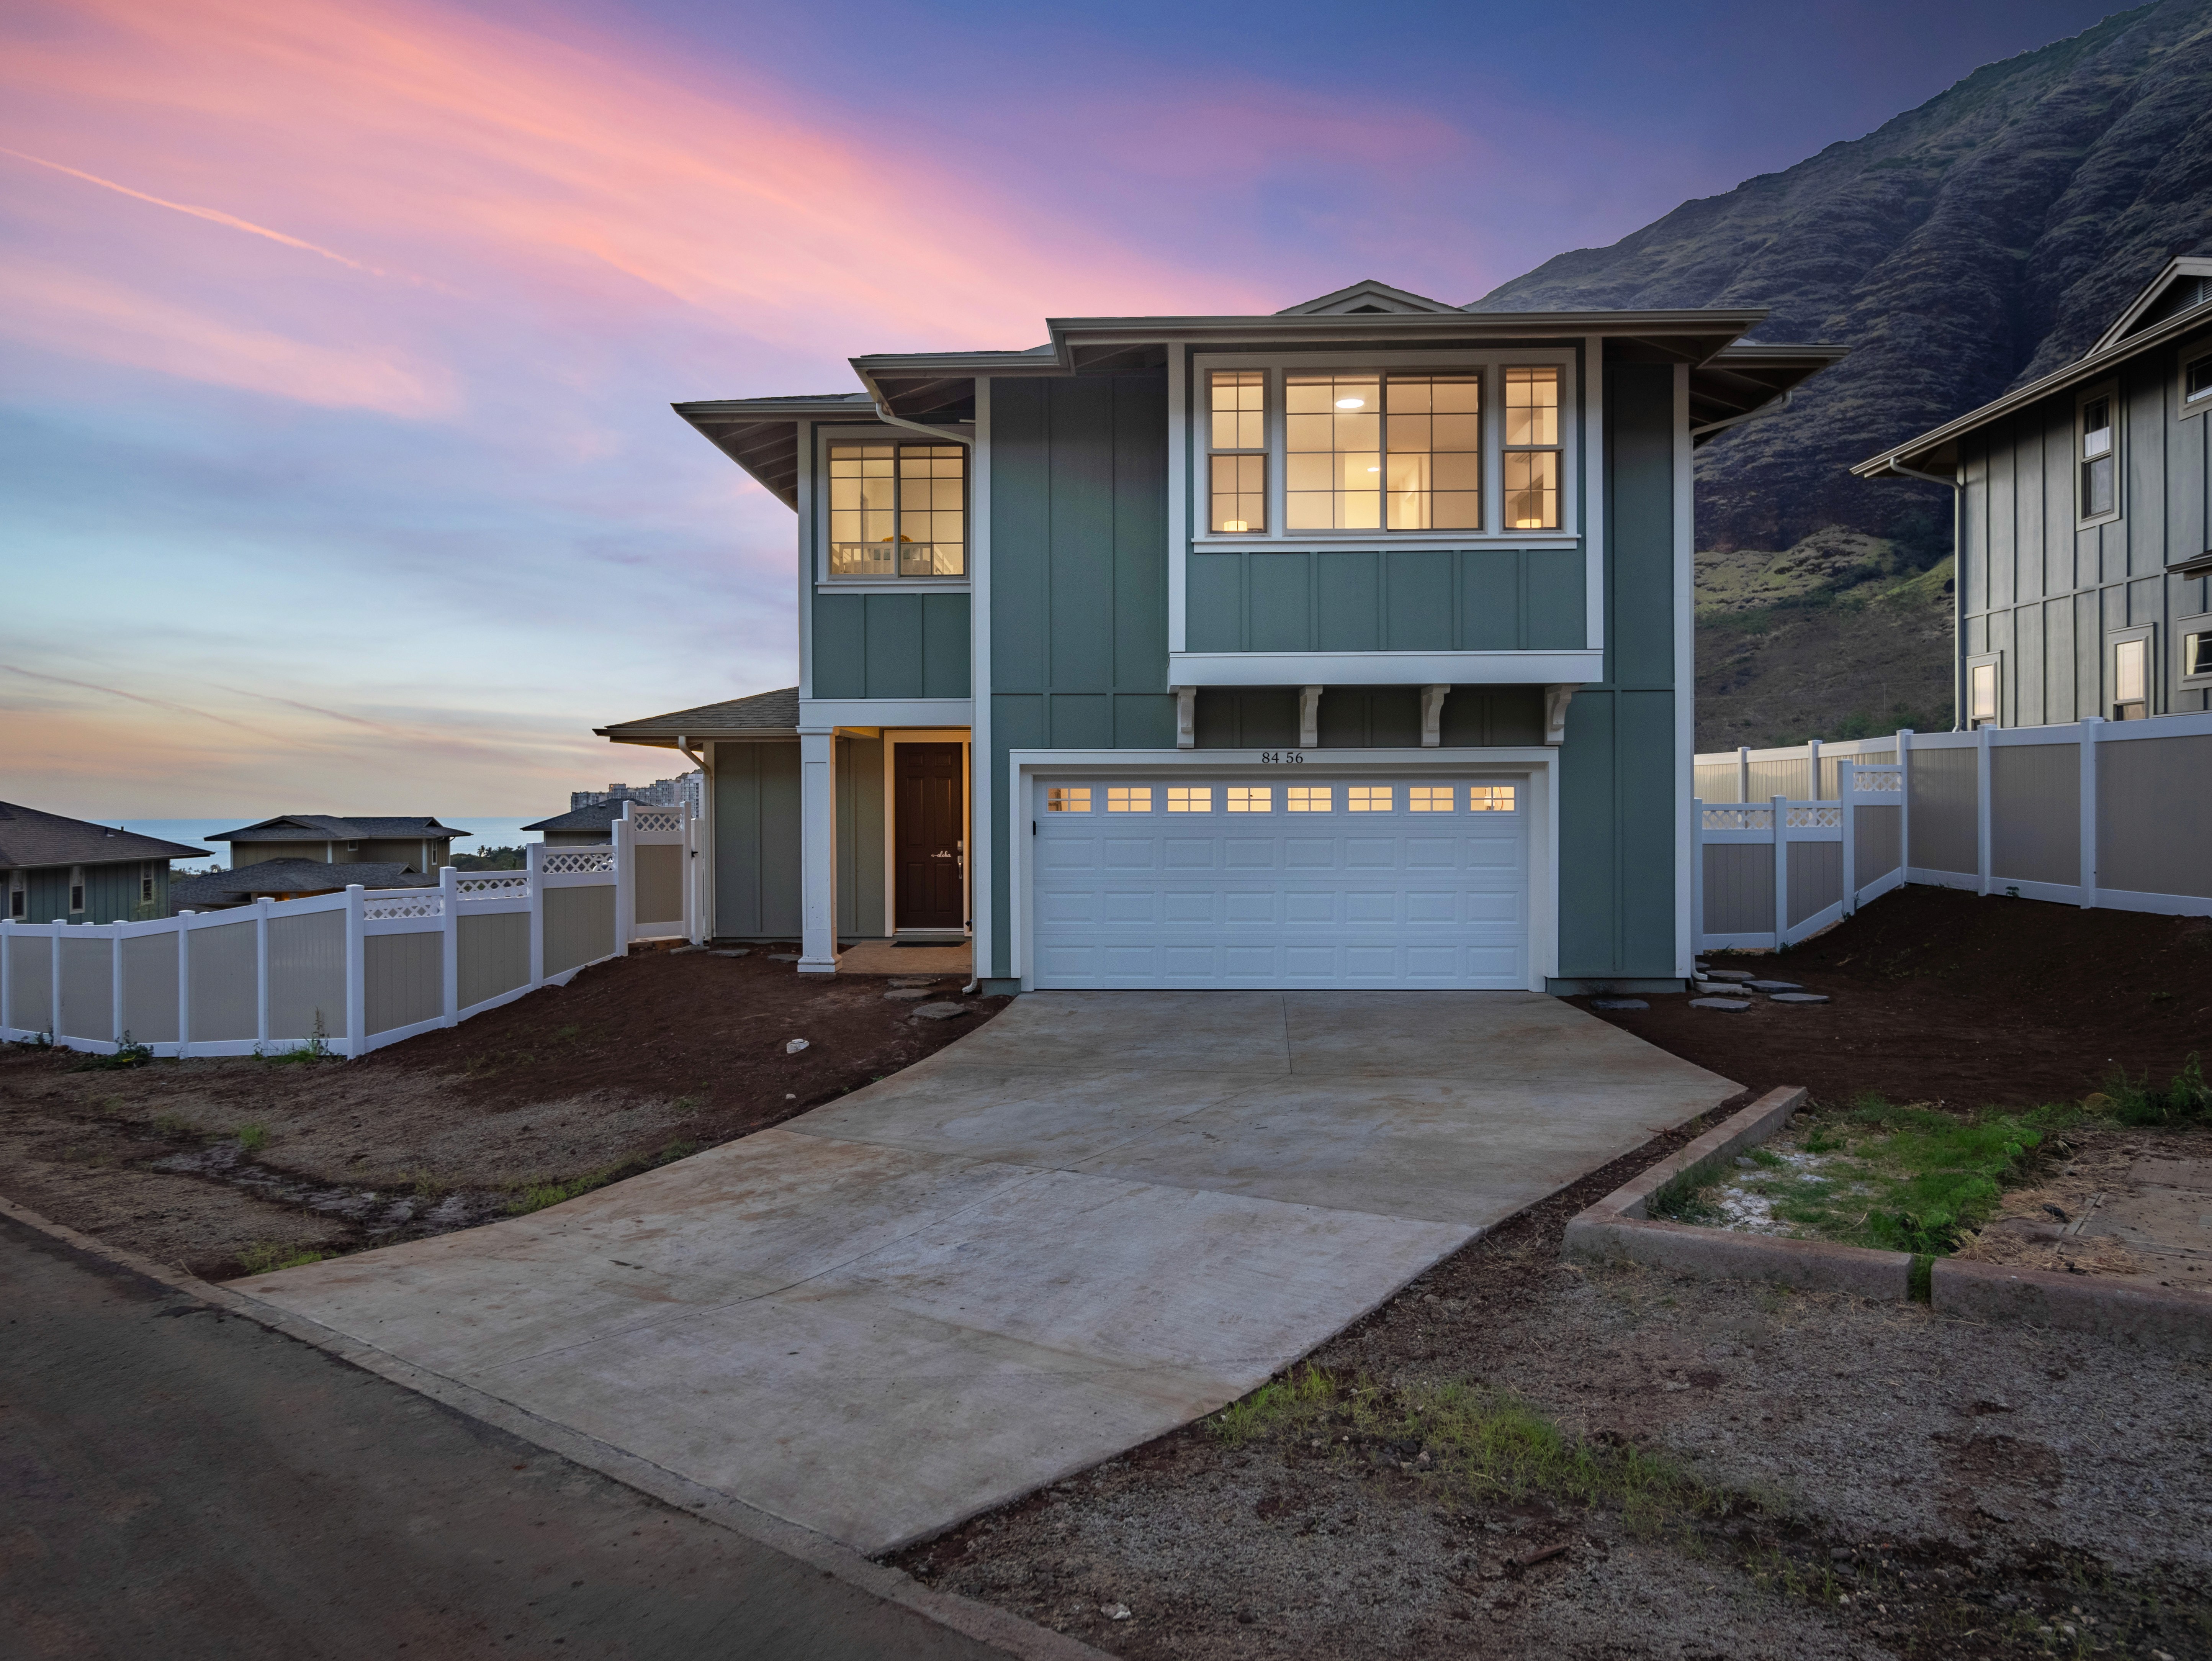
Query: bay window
x=898, y=510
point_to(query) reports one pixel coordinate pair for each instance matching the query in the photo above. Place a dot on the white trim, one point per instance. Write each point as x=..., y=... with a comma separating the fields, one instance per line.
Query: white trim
x=1538, y=765
x=981, y=826
x=818, y=547
x=1179, y=472
x=1593, y=477
x=885, y=712
x=804, y=486
x=1686, y=853
x=817, y=850
x=1383, y=668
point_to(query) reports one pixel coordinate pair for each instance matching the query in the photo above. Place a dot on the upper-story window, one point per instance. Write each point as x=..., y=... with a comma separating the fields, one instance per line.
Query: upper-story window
x=2099, y=458
x=1381, y=452
x=1532, y=448
x=898, y=510
x=1237, y=440
x=2197, y=383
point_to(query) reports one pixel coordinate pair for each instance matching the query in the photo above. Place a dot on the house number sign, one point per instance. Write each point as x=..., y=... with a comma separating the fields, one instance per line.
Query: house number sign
x=1283, y=758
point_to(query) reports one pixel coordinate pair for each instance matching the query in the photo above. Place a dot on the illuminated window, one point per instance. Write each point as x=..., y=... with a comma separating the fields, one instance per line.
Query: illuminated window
x=1492, y=798
x=1430, y=798
x=1190, y=799
x=1237, y=438
x=1129, y=798
x=2099, y=461
x=1067, y=798
x=1251, y=799
x=898, y=510
x=1367, y=799
x=1532, y=449
x=1363, y=451
x=2131, y=679
x=1332, y=452
x=1432, y=458
x=1307, y=798
x=1982, y=695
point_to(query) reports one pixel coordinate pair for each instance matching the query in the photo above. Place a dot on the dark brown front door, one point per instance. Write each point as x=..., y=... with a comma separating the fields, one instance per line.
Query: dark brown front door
x=930, y=831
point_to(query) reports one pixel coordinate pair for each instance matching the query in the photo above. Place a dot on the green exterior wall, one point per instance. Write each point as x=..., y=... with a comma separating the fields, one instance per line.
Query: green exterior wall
x=1618, y=766
x=756, y=882
x=1482, y=599
x=1078, y=625
x=890, y=645
x=111, y=893
x=860, y=839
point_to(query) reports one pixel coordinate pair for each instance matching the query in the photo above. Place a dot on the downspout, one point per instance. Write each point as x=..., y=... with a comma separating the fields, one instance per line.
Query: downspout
x=703, y=883
x=1958, y=588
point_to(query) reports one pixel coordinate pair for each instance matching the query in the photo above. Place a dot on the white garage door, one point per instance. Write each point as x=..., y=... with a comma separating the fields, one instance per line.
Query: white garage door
x=1418, y=881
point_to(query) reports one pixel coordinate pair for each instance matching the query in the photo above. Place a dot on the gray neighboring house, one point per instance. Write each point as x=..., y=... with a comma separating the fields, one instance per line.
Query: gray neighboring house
x=65, y=870
x=286, y=880
x=1343, y=646
x=591, y=827
x=417, y=841
x=2084, y=524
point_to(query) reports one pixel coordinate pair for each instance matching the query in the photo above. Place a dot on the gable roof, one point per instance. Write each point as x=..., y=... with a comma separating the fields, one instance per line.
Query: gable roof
x=217, y=889
x=764, y=714
x=327, y=827
x=1366, y=296
x=599, y=817
x=29, y=837
x=2179, y=302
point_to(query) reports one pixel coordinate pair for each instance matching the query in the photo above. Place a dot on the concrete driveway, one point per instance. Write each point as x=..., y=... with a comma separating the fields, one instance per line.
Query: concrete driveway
x=1098, y=1217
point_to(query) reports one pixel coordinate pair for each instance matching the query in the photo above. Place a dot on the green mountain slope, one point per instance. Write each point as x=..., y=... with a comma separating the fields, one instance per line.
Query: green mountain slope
x=1970, y=245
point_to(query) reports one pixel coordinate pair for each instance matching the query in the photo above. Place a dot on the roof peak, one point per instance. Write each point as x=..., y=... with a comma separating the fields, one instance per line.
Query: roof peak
x=1366, y=295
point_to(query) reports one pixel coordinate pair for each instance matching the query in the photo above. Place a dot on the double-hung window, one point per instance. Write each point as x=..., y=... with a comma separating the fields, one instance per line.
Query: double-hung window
x=1236, y=442
x=1532, y=448
x=2131, y=676
x=898, y=510
x=2196, y=384
x=2098, y=445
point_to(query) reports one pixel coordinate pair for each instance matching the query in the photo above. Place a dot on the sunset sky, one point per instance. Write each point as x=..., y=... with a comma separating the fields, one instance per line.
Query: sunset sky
x=339, y=339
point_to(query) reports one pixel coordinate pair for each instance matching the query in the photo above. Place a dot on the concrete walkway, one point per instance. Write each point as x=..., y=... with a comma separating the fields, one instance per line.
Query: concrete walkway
x=1097, y=1218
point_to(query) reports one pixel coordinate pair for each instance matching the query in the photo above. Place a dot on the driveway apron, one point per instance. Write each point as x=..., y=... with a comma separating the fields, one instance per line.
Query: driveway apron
x=1099, y=1217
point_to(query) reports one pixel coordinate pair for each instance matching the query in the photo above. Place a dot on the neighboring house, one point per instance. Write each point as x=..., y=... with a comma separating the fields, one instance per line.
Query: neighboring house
x=64, y=870
x=418, y=843
x=1345, y=647
x=286, y=880
x=2084, y=523
x=589, y=826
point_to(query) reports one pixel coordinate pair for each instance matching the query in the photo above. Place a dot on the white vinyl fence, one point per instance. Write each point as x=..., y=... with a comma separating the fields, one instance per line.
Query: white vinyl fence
x=2095, y=813
x=356, y=969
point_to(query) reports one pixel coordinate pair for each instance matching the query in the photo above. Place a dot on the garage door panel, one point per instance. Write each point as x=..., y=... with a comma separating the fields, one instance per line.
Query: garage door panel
x=1320, y=900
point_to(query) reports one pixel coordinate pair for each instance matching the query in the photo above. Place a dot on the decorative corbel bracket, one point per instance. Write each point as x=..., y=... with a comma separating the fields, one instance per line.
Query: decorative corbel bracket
x=1432, y=715
x=1186, y=699
x=1557, y=697
x=1309, y=718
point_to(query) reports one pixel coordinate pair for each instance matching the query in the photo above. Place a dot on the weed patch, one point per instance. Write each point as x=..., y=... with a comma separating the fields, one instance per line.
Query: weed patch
x=128, y=1053
x=253, y=1138
x=2185, y=1099
x=536, y=1196
x=316, y=1048
x=262, y=1256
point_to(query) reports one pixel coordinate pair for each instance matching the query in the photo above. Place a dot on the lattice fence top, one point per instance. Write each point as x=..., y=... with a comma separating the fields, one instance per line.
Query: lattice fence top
x=1877, y=778
x=656, y=821
x=1814, y=816
x=506, y=885
x=1739, y=818
x=570, y=861
x=379, y=907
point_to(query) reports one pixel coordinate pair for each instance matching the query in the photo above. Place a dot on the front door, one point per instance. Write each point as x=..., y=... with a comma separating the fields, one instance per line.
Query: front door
x=930, y=832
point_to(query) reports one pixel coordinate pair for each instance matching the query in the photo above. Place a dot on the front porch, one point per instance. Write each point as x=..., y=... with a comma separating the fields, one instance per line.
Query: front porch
x=886, y=828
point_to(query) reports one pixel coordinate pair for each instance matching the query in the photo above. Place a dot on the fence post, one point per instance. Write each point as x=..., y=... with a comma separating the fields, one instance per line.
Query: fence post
x=356, y=973
x=1781, y=817
x=1697, y=880
x=1847, y=810
x=2091, y=728
x=260, y=973
x=7, y=951
x=449, y=897
x=533, y=864
x=1813, y=763
x=1982, y=807
x=1743, y=773
x=183, y=984
x=1903, y=807
x=625, y=881
x=54, y=973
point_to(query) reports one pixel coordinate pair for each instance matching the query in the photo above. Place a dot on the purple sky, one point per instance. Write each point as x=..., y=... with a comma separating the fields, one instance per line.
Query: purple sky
x=341, y=337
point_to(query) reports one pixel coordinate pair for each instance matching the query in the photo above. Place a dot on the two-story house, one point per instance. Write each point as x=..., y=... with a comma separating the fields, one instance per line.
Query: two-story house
x=1344, y=647
x=417, y=841
x=54, y=869
x=2084, y=523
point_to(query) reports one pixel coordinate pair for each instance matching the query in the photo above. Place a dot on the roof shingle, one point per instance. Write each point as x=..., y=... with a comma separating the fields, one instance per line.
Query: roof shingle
x=29, y=837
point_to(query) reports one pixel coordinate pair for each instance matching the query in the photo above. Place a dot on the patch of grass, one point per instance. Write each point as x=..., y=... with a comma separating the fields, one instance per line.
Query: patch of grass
x=262, y=1256
x=253, y=1138
x=316, y=1048
x=1480, y=1444
x=1686, y=1197
x=128, y=1053
x=2183, y=1098
x=536, y=1196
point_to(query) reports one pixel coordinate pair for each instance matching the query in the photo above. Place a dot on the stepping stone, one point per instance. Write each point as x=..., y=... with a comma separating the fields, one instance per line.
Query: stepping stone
x=678, y=951
x=783, y=957
x=1732, y=1005
x=1798, y=997
x=1618, y=1003
x=1774, y=986
x=737, y=952
x=916, y=980
x=1727, y=973
x=939, y=1011
x=908, y=992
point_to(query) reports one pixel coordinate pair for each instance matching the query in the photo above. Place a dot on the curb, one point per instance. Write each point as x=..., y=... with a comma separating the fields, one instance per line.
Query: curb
x=2074, y=1303
x=1007, y=1633
x=1619, y=1225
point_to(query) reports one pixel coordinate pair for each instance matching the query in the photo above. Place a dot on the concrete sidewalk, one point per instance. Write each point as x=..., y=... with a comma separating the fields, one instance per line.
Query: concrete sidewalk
x=1099, y=1217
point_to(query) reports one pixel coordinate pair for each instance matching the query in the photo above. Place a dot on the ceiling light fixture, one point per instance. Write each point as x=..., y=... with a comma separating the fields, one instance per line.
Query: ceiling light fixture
x=1352, y=403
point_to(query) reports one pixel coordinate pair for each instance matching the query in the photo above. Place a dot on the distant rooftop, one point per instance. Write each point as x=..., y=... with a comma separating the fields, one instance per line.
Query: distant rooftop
x=29, y=837
x=325, y=827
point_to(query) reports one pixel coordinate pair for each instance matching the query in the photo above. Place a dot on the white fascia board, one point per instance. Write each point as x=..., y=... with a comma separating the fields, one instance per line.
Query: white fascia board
x=885, y=712
x=1503, y=759
x=1580, y=665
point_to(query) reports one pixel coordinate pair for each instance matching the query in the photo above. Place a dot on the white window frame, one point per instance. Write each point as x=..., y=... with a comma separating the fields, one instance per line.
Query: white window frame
x=818, y=562
x=79, y=898
x=2114, y=639
x=2183, y=628
x=1992, y=660
x=1491, y=364
x=2109, y=392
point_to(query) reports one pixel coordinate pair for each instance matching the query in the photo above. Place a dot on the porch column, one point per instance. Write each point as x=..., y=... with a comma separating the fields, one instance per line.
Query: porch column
x=818, y=849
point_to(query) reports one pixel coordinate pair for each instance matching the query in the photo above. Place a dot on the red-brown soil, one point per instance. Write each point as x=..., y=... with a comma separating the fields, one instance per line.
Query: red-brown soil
x=1942, y=997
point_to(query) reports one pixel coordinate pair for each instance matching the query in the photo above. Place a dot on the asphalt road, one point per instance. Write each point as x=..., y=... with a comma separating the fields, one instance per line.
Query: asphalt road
x=177, y=1481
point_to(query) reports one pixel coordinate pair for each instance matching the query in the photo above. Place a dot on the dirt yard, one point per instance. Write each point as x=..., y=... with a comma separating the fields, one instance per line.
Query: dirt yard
x=221, y=1166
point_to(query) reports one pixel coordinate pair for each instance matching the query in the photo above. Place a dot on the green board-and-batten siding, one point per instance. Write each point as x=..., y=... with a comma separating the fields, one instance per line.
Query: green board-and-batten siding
x=1617, y=769
x=1399, y=599
x=890, y=645
x=1078, y=625
x=756, y=847
x=111, y=893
